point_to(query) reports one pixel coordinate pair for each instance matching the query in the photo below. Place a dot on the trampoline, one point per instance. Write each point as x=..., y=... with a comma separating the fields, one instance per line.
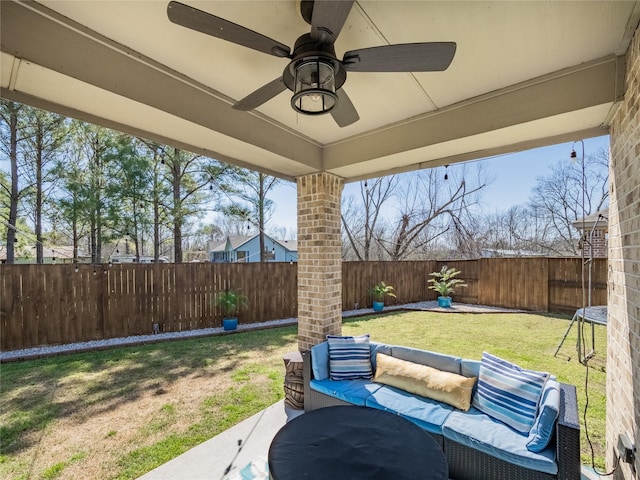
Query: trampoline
x=593, y=315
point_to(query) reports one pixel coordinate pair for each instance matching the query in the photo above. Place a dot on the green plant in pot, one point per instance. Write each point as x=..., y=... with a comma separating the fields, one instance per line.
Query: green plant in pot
x=445, y=283
x=378, y=293
x=230, y=302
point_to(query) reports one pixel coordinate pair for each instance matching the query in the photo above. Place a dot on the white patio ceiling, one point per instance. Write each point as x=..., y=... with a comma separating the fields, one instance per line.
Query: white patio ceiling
x=525, y=74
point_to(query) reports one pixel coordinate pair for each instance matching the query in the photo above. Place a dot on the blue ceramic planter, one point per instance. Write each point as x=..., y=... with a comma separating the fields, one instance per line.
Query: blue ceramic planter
x=229, y=323
x=378, y=306
x=444, y=302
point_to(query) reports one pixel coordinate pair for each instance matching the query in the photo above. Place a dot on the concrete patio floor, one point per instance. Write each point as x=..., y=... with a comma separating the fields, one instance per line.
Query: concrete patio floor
x=221, y=456
x=210, y=459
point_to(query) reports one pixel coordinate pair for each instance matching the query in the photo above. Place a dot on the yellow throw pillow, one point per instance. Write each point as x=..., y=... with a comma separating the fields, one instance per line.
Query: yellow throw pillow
x=425, y=381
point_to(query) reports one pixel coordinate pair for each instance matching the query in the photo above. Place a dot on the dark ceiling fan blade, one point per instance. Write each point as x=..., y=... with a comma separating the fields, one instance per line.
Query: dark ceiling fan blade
x=407, y=57
x=344, y=112
x=261, y=95
x=204, y=22
x=328, y=19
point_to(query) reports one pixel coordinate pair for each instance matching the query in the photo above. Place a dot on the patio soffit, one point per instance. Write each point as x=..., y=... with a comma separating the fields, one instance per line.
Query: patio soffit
x=525, y=74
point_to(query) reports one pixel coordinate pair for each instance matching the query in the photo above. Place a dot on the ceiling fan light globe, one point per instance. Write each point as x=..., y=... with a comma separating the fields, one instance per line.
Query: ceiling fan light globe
x=314, y=102
x=314, y=87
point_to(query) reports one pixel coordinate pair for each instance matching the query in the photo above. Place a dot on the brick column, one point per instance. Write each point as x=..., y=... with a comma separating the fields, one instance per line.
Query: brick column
x=319, y=258
x=623, y=329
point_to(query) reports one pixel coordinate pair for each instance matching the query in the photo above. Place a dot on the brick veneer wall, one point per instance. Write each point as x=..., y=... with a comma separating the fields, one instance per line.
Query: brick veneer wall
x=599, y=243
x=623, y=358
x=319, y=258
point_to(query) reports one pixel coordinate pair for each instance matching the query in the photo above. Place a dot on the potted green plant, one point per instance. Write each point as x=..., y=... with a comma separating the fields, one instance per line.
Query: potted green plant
x=378, y=292
x=230, y=302
x=445, y=283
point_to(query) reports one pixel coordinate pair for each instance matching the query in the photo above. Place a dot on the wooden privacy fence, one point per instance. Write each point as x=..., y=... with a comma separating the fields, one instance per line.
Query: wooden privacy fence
x=57, y=304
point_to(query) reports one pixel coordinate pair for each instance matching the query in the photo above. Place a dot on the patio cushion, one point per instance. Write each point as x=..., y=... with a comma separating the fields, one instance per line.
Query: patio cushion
x=424, y=412
x=429, y=382
x=320, y=361
x=508, y=392
x=320, y=358
x=481, y=432
x=446, y=363
x=470, y=368
x=349, y=357
x=378, y=348
x=352, y=391
x=545, y=423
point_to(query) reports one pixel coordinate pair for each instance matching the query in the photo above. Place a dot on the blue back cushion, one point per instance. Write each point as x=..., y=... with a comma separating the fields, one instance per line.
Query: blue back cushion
x=508, y=392
x=320, y=361
x=440, y=361
x=349, y=357
x=545, y=423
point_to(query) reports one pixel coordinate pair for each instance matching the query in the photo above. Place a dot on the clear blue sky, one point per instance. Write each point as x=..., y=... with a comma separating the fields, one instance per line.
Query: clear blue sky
x=514, y=176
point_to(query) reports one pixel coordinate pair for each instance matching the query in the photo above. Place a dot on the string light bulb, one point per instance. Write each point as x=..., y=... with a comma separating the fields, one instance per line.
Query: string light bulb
x=446, y=174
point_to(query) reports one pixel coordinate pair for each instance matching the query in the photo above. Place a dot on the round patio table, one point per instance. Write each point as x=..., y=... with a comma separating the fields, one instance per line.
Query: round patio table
x=353, y=443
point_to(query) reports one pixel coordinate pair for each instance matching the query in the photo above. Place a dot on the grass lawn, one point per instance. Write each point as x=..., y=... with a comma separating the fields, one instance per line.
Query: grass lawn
x=119, y=413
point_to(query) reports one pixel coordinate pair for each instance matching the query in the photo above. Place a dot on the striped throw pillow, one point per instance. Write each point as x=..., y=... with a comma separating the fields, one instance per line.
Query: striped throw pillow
x=349, y=357
x=508, y=392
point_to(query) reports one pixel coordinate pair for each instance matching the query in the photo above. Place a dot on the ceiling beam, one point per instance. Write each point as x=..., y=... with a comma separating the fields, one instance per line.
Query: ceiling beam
x=66, y=111
x=30, y=31
x=591, y=84
x=491, y=152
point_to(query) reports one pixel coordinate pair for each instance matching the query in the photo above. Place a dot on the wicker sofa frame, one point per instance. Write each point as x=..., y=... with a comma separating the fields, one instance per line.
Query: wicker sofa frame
x=466, y=463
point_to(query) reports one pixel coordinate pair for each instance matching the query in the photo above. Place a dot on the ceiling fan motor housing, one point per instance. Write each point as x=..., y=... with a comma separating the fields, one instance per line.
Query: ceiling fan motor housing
x=306, y=49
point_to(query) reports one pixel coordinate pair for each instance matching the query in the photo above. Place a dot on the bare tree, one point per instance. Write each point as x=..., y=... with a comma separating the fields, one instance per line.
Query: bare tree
x=431, y=206
x=362, y=220
x=569, y=192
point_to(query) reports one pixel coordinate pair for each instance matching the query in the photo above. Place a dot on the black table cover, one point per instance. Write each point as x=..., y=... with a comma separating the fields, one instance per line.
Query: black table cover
x=351, y=443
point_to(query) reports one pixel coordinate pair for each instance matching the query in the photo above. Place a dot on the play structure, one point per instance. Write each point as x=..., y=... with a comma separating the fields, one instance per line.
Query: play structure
x=588, y=314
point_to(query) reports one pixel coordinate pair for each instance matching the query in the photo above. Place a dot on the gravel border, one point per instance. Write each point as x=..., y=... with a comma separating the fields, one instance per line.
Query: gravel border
x=53, y=350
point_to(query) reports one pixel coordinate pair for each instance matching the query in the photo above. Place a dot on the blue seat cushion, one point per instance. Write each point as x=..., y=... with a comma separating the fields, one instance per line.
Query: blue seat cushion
x=352, y=391
x=424, y=412
x=479, y=431
x=446, y=363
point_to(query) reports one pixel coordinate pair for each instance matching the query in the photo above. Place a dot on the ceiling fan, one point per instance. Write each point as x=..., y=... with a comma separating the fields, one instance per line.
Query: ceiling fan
x=314, y=73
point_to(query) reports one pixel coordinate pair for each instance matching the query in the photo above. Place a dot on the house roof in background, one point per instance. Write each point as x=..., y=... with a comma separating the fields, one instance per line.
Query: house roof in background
x=236, y=241
x=601, y=217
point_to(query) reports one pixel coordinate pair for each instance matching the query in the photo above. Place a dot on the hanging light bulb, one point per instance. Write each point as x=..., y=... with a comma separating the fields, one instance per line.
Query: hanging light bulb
x=574, y=156
x=446, y=175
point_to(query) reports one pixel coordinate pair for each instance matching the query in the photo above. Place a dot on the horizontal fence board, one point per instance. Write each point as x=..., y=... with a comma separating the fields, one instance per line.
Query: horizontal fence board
x=57, y=304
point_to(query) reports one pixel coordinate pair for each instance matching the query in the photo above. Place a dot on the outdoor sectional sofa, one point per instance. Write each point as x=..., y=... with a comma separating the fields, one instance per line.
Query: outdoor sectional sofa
x=476, y=445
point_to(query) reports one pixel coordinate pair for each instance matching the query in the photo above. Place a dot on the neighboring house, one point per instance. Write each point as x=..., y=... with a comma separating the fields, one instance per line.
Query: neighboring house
x=58, y=254
x=133, y=259
x=596, y=233
x=240, y=248
x=506, y=253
